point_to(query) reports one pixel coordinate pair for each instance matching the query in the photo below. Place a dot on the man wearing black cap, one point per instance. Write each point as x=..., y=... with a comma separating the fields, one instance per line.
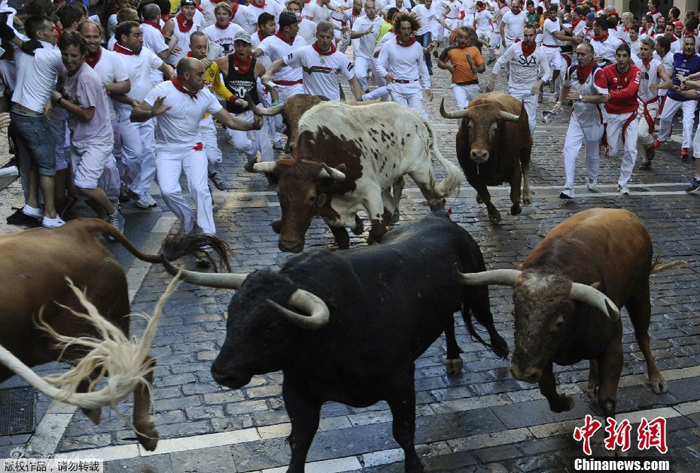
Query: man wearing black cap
x=182, y=26
x=289, y=80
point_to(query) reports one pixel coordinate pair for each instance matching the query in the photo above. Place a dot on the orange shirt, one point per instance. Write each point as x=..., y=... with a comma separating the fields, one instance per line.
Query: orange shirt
x=458, y=58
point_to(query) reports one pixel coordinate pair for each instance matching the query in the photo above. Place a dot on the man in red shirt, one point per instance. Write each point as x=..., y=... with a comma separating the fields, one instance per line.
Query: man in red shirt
x=622, y=127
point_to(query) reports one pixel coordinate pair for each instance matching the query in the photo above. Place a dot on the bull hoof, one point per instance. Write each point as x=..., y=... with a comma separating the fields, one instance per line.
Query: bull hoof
x=277, y=226
x=454, y=366
x=658, y=383
x=147, y=435
x=95, y=415
x=516, y=209
x=561, y=403
x=479, y=200
x=495, y=217
x=527, y=199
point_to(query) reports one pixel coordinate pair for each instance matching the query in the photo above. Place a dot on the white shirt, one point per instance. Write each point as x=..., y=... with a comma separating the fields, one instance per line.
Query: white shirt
x=275, y=48
x=179, y=126
x=320, y=71
x=183, y=40
x=667, y=62
x=316, y=13
x=138, y=67
x=307, y=30
x=207, y=7
x=524, y=70
x=606, y=49
x=269, y=6
x=515, y=25
x=650, y=75
x=154, y=40
x=549, y=28
x=427, y=18
x=36, y=76
x=110, y=69
x=403, y=63
x=223, y=38
x=364, y=46
x=482, y=20
x=246, y=18
x=255, y=40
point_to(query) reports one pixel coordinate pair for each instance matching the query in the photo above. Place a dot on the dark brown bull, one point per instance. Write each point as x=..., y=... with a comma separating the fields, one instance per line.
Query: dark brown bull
x=566, y=303
x=493, y=147
x=35, y=264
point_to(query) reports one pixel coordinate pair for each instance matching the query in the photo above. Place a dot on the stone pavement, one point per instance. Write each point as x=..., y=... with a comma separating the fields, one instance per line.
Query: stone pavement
x=480, y=420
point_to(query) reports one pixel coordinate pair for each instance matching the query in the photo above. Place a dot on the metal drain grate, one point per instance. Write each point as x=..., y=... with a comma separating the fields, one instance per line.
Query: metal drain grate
x=17, y=411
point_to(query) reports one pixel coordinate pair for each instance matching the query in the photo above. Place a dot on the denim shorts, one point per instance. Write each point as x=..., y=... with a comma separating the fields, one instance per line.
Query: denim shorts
x=35, y=134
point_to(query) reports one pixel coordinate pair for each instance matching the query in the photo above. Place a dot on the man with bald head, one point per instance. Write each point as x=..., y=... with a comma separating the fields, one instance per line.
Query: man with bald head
x=179, y=105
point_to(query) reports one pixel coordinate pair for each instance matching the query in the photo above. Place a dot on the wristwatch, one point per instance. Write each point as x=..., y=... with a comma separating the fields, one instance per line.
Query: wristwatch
x=580, y=98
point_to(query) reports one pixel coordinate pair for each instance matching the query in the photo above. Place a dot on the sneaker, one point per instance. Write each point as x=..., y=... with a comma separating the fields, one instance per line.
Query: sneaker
x=20, y=218
x=277, y=145
x=592, y=184
x=146, y=201
x=694, y=186
x=52, y=222
x=32, y=212
x=218, y=182
x=656, y=144
x=623, y=190
x=567, y=194
x=684, y=154
x=116, y=219
x=646, y=165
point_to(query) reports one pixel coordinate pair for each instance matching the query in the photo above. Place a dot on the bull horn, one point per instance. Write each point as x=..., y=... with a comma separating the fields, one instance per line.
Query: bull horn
x=331, y=173
x=217, y=280
x=501, y=277
x=592, y=296
x=509, y=117
x=319, y=315
x=455, y=115
x=265, y=112
x=267, y=166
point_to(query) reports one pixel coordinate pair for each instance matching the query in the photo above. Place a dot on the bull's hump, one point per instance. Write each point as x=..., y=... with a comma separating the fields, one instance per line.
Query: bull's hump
x=505, y=102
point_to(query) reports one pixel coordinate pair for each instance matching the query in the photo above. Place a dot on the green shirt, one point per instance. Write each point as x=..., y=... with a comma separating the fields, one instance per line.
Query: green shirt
x=384, y=29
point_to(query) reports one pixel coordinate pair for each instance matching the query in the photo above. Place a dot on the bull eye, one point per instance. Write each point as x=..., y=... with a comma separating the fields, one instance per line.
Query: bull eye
x=558, y=325
x=312, y=198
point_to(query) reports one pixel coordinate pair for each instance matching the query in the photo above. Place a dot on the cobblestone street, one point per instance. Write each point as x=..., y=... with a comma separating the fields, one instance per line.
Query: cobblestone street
x=480, y=420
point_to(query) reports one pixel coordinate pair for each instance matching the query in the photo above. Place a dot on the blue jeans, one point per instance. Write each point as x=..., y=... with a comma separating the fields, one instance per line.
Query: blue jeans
x=35, y=133
x=425, y=40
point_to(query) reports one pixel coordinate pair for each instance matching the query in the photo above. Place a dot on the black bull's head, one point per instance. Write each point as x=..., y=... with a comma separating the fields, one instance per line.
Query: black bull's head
x=544, y=306
x=301, y=193
x=482, y=123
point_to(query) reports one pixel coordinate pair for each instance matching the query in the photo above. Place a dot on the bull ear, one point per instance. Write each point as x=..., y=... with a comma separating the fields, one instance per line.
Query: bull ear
x=331, y=173
x=502, y=277
x=592, y=296
x=320, y=200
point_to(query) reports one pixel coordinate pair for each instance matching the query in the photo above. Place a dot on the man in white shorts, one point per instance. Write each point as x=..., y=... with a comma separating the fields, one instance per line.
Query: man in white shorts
x=179, y=105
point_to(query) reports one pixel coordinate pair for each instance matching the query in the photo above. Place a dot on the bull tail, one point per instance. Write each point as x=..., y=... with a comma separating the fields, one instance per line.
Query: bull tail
x=659, y=267
x=174, y=247
x=126, y=361
x=454, y=175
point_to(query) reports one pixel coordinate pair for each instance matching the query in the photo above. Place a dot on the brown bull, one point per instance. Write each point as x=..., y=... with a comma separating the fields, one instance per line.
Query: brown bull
x=292, y=110
x=493, y=147
x=35, y=264
x=566, y=303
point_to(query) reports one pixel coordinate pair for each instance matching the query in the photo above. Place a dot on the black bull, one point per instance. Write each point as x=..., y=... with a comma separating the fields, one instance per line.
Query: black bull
x=374, y=311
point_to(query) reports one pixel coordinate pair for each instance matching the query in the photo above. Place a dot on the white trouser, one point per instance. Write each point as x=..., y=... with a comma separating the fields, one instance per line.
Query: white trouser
x=171, y=161
x=468, y=20
x=666, y=119
x=530, y=102
x=556, y=61
x=363, y=66
x=266, y=101
x=575, y=137
x=644, y=138
x=410, y=95
x=117, y=149
x=615, y=125
x=242, y=143
x=464, y=94
x=493, y=44
x=138, y=156
x=286, y=91
x=377, y=94
x=211, y=147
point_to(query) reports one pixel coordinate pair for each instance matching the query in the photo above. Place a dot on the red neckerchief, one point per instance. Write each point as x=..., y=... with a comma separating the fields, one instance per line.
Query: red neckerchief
x=601, y=38
x=252, y=4
x=575, y=22
x=178, y=85
x=118, y=48
x=283, y=37
x=58, y=30
x=234, y=9
x=92, y=61
x=165, y=17
x=330, y=51
x=674, y=39
x=626, y=29
x=411, y=40
x=218, y=1
x=260, y=35
x=528, y=51
x=241, y=66
x=154, y=24
x=355, y=12
x=646, y=63
x=583, y=73
x=223, y=27
x=198, y=8
x=185, y=25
